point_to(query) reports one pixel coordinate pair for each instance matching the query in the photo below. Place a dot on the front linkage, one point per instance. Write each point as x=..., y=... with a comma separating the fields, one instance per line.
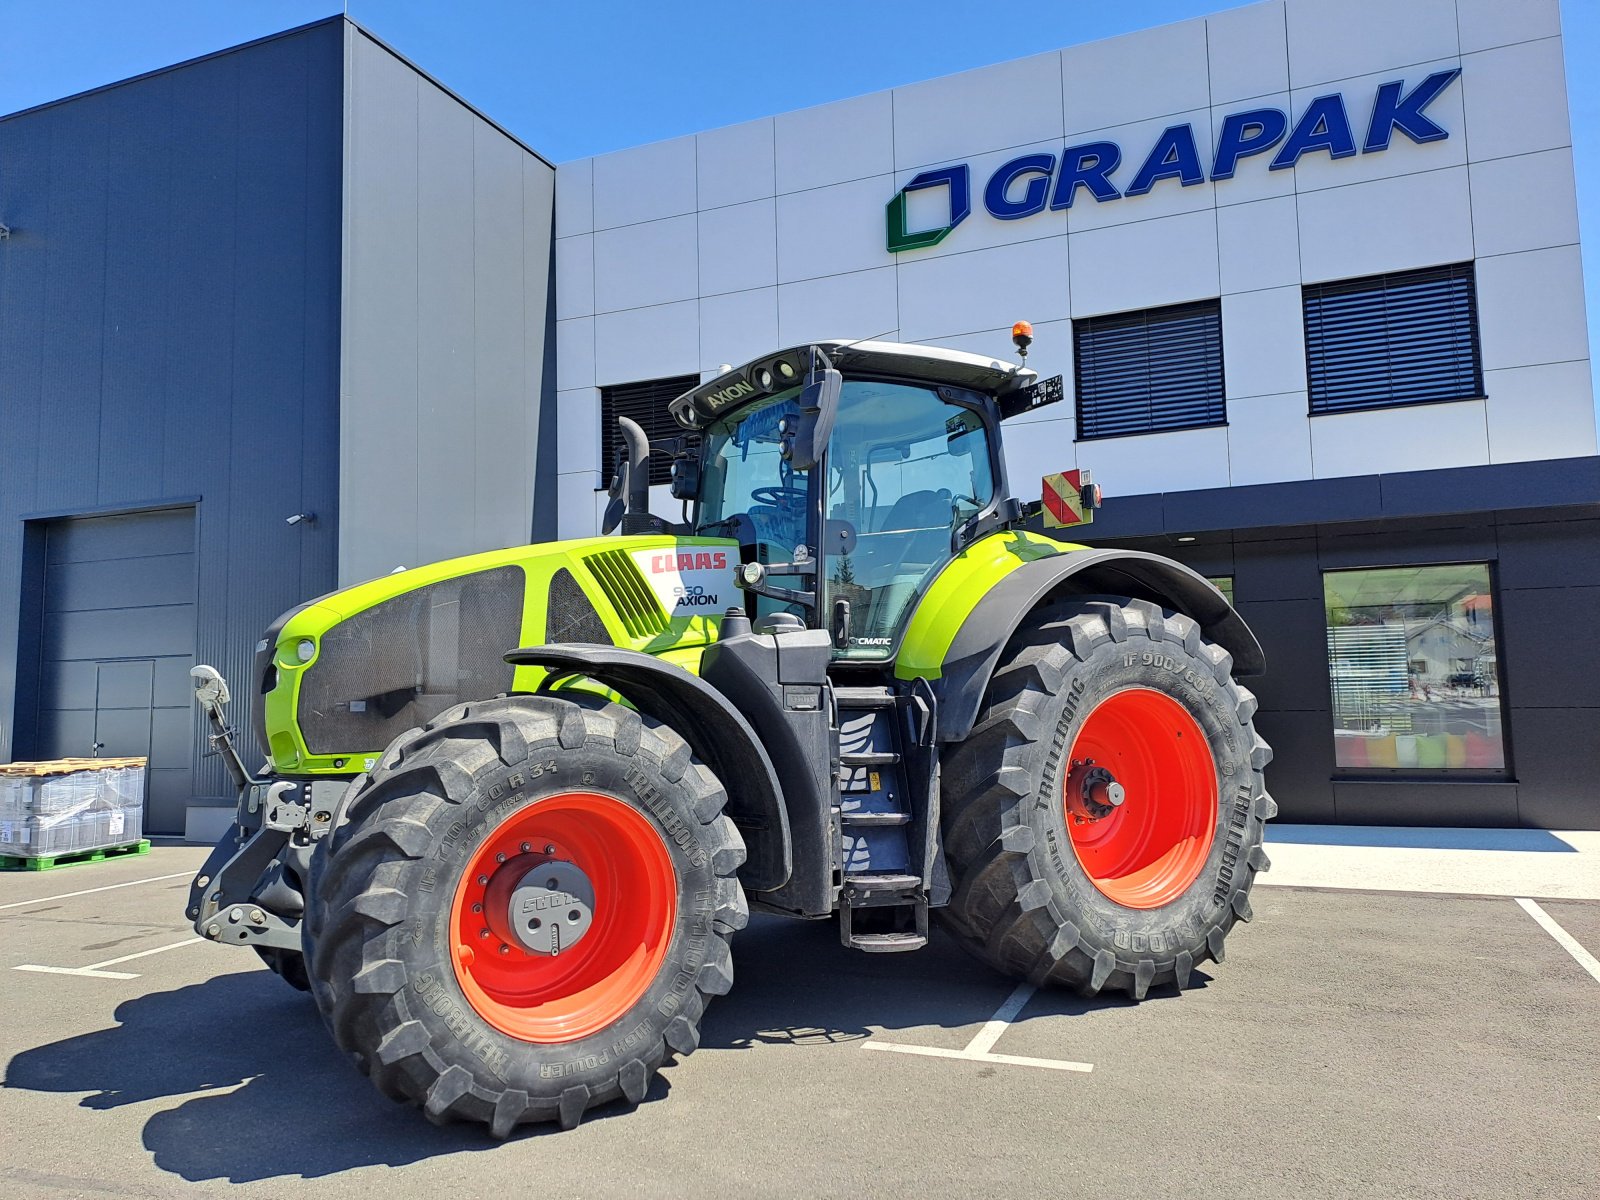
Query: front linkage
x=250, y=890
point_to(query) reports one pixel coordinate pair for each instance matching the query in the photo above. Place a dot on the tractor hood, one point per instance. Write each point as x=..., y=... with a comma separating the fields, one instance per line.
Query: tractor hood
x=339, y=678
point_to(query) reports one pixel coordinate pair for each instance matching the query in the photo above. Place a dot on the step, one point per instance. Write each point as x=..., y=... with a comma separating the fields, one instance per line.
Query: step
x=863, y=699
x=887, y=943
x=883, y=883
x=869, y=758
x=875, y=818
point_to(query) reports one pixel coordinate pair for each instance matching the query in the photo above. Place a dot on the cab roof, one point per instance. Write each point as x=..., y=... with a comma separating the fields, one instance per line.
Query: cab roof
x=903, y=360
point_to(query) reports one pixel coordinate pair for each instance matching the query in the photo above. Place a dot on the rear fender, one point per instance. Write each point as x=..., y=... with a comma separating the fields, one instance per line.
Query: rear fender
x=982, y=637
x=717, y=733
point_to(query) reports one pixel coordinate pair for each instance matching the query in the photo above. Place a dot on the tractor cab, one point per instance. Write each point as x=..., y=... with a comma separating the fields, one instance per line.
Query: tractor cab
x=850, y=474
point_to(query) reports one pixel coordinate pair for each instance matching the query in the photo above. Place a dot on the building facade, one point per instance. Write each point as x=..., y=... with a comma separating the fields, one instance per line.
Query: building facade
x=1309, y=270
x=295, y=279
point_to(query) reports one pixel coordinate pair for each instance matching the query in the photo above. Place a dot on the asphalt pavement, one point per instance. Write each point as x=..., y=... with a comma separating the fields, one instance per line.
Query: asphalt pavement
x=1355, y=1043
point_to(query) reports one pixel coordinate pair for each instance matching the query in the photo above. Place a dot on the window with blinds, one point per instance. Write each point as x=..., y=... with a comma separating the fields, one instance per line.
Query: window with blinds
x=1142, y=372
x=1405, y=338
x=645, y=402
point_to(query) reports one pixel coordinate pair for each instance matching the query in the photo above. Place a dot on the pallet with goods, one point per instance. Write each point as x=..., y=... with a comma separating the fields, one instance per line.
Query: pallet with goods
x=69, y=811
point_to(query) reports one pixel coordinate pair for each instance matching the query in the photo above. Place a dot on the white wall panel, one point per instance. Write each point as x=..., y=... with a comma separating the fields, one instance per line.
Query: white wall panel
x=1530, y=308
x=1151, y=73
x=737, y=326
x=1258, y=245
x=738, y=247
x=1540, y=412
x=574, y=353
x=856, y=306
x=948, y=119
x=965, y=293
x=1386, y=225
x=1269, y=439
x=1524, y=203
x=1036, y=449
x=1050, y=354
x=1148, y=263
x=1485, y=23
x=831, y=230
x=1246, y=51
x=735, y=163
x=645, y=183
x=1400, y=439
x=575, y=271
x=647, y=343
x=575, y=197
x=1263, y=343
x=578, y=439
x=575, y=505
x=1181, y=461
x=650, y=263
x=1516, y=99
x=835, y=143
x=1331, y=41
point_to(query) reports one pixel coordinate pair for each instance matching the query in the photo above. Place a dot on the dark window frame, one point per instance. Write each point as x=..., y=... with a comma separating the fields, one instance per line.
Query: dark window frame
x=1204, y=407
x=1385, y=326
x=1459, y=775
x=646, y=402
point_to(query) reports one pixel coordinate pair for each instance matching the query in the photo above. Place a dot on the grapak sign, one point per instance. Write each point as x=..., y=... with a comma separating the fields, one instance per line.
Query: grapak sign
x=1031, y=183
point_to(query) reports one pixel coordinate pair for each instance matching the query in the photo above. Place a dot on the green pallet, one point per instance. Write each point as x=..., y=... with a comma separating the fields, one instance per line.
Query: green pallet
x=12, y=863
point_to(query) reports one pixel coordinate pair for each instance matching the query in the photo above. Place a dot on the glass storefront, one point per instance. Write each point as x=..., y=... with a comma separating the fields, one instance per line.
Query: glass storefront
x=1414, y=670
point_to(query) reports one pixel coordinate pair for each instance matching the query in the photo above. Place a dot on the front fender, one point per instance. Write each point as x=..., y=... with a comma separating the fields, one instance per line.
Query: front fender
x=716, y=731
x=982, y=636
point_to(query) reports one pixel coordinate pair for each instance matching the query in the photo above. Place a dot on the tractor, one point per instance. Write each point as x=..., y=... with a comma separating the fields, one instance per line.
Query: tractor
x=516, y=804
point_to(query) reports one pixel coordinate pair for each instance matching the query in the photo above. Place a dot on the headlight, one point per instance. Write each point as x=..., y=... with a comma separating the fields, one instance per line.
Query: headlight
x=306, y=650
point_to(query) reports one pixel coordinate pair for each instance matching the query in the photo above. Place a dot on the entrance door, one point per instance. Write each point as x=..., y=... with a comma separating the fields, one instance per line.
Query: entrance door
x=118, y=641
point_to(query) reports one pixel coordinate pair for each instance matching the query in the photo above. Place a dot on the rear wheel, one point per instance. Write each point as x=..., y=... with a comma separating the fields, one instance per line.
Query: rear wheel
x=1104, y=819
x=525, y=911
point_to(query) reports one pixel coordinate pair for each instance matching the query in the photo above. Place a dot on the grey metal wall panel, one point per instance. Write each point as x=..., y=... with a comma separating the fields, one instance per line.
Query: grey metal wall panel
x=169, y=329
x=445, y=294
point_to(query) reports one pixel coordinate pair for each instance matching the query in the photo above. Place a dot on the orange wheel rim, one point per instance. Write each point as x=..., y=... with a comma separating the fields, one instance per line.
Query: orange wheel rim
x=1142, y=846
x=617, y=885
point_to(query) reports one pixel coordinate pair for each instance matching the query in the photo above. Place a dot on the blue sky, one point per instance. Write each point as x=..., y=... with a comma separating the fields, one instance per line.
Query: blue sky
x=574, y=79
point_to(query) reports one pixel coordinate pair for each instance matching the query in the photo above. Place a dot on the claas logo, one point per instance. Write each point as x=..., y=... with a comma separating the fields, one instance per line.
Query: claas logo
x=689, y=560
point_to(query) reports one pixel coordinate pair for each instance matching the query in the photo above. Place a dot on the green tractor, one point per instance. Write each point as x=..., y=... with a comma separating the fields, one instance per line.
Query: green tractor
x=517, y=804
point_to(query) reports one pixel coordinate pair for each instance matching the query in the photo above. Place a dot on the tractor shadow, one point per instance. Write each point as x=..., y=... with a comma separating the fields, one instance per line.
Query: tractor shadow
x=796, y=985
x=263, y=1092
x=260, y=1092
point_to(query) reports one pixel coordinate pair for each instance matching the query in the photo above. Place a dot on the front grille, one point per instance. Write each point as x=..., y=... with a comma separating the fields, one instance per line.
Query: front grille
x=402, y=662
x=625, y=587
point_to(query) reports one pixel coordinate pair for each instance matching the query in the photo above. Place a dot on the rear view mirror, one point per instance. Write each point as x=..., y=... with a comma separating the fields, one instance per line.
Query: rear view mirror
x=685, y=478
x=819, y=403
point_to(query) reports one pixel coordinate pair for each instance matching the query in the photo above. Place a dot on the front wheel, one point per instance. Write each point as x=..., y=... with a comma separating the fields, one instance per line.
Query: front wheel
x=1104, y=819
x=526, y=909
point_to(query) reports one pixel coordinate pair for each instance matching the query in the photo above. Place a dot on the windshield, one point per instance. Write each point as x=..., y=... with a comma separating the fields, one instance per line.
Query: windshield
x=905, y=468
x=744, y=474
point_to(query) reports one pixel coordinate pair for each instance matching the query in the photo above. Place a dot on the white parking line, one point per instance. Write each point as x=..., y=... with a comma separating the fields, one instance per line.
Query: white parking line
x=1564, y=939
x=980, y=1047
x=90, y=891
x=94, y=971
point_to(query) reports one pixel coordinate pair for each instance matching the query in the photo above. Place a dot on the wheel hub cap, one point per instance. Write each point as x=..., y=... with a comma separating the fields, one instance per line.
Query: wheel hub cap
x=544, y=905
x=1093, y=792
